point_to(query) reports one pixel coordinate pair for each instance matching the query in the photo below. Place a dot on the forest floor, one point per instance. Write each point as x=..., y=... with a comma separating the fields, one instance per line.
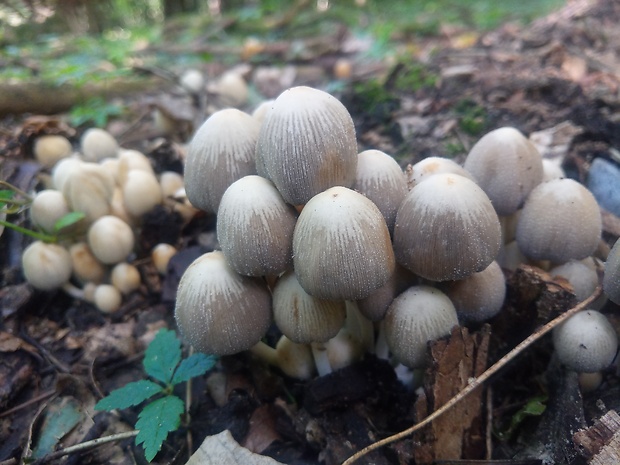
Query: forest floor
x=557, y=80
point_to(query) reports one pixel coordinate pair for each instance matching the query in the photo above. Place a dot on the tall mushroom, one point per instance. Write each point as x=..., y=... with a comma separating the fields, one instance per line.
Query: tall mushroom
x=307, y=144
x=341, y=246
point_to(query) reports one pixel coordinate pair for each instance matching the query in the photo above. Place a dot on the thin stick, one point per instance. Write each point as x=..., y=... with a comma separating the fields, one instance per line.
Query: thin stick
x=34, y=400
x=474, y=383
x=85, y=446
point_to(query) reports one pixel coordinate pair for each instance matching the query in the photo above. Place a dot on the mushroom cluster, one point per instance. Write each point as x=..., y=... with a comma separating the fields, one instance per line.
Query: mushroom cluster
x=113, y=187
x=353, y=253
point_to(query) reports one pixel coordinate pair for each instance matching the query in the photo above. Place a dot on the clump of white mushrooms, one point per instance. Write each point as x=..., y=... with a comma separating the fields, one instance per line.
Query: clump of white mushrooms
x=113, y=187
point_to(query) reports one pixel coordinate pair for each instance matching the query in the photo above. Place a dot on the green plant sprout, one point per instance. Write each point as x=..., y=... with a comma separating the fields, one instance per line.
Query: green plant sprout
x=13, y=200
x=160, y=416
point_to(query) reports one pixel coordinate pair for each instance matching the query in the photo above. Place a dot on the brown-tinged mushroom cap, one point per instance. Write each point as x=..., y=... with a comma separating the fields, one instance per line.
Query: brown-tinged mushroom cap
x=446, y=229
x=255, y=227
x=221, y=152
x=307, y=144
x=341, y=246
x=560, y=221
x=219, y=311
x=303, y=318
x=507, y=166
x=381, y=179
x=418, y=315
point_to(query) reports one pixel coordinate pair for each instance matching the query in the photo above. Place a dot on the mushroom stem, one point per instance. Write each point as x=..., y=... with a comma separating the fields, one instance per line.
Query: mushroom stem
x=360, y=327
x=73, y=291
x=321, y=361
x=265, y=352
x=294, y=360
x=381, y=348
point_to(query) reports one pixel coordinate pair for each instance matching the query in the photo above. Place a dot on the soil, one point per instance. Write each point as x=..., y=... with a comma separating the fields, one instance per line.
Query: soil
x=557, y=80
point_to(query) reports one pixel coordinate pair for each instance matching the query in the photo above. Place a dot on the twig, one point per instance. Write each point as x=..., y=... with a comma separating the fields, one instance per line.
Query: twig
x=475, y=383
x=85, y=446
x=34, y=400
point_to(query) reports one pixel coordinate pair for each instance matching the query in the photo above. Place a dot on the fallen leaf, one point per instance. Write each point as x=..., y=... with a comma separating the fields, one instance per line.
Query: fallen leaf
x=223, y=449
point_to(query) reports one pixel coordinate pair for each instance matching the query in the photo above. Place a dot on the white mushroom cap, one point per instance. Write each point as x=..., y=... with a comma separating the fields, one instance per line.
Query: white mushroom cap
x=110, y=239
x=583, y=278
x=433, y=165
x=586, y=342
x=141, y=192
x=303, y=318
x=50, y=149
x=507, y=166
x=560, y=221
x=192, y=81
x=446, y=229
x=161, y=255
x=418, y=315
x=307, y=144
x=48, y=206
x=98, y=144
x=479, y=296
x=107, y=298
x=611, y=278
x=219, y=311
x=381, y=179
x=222, y=151
x=89, y=189
x=125, y=277
x=46, y=266
x=86, y=267
x=255, y=227
x=260, y=112
x=341, y=246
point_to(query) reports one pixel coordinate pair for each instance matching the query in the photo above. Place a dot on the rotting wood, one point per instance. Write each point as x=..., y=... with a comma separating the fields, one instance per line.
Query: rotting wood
x=600, y=443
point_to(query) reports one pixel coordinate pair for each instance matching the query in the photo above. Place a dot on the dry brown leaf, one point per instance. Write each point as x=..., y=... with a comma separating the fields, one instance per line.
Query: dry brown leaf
x=223, y=449
x=262, y=429
x=600, y=443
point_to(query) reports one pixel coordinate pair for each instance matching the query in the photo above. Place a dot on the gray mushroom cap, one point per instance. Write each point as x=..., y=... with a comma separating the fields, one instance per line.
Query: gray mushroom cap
x=611, y=278
x=446, y=229
x=221, y=151
x=341, y=246
x=507, y=166
x=418, y=315
x=219, y=311
x=586, y=342
x=307, y=144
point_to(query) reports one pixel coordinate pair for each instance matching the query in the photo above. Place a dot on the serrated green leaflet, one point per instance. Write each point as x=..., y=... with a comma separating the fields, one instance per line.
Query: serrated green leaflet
x=194, y=365
x=162, y=356
x=155, y=422
x=68, y=220
x=130, y=394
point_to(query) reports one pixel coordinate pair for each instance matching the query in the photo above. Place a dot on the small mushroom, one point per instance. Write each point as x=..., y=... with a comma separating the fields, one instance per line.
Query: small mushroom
x=341, y=246
x=48, y=206
x=586, y=342
x=46, y=266
x=218, y=311
x=479, y=296
x=582, y=278
x=89, y=189
x=307, y=144
x=380, y=179
x=141, y=192
x=446, y=229
x=418, y=315
x=110, y=239
x=125, y=277
x=507, y=166
x=560, y=221
x=98, y=144
x=161, y=255
x=221, y=151
x=430, y=166
x=50, y=149
x=86, y=267
x=107, y=298
x=255, y=228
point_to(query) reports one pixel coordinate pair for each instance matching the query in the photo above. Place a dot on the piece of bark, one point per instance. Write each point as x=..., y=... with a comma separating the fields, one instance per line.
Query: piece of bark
x=600, y=443
x=460, y=433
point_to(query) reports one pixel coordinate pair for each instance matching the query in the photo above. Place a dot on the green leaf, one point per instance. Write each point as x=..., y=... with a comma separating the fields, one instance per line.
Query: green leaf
x=67, y=220
x=6, y=194
x=130, y=394
x=162, y=356
x=155, y=421
x=195, y=365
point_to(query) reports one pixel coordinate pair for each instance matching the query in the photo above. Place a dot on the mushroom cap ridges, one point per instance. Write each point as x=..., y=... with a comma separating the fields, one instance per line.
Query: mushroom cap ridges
x=380, y=178
x=507, y=166
x=341, y=246
x=418, y=315
x=219, y=311
x=586, y=342
x=560, y=221
x=221, y=151
x=446, y=229
x=611, y=278
x=255, y=227
x=307, y=144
